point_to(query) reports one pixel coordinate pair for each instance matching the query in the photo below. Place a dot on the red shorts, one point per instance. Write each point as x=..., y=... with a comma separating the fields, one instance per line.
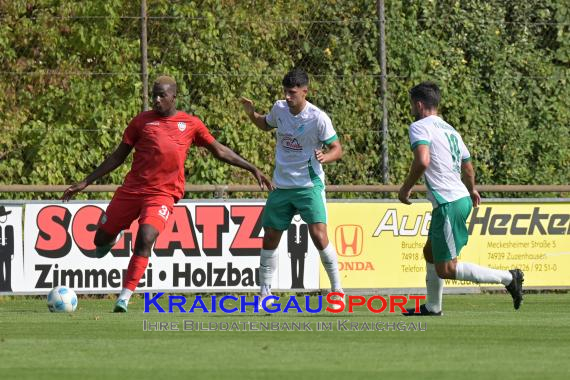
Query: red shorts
x=126, y=207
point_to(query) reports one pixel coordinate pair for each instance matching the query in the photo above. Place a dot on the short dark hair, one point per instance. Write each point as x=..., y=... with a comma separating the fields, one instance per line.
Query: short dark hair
x=427, y=93
x=296, y=78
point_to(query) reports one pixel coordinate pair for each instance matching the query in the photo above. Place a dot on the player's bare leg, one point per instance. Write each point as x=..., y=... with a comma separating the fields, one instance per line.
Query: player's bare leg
x=104, y=242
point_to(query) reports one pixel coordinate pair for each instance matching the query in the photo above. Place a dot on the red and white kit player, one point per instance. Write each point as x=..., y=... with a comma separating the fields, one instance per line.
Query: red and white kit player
x=161, y=138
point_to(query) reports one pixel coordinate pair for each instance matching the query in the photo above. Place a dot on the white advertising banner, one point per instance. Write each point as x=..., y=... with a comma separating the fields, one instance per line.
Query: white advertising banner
x=208, y=246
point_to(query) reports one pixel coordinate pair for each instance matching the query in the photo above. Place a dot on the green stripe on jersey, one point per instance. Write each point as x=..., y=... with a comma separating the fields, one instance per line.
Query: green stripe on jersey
x=419, y=142
x=314, y=177
x=330, y=140
x=438, y=198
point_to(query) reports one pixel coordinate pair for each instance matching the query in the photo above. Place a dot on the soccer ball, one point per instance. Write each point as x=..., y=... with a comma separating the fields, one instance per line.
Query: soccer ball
x=62, y=299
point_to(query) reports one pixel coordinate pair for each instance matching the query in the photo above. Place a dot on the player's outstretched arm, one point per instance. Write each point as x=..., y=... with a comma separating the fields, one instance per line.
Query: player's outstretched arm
x=468, y=178
x=111, y=163
x=417, y=169
x=223, y=153
x=333, y=154
x=256, y=118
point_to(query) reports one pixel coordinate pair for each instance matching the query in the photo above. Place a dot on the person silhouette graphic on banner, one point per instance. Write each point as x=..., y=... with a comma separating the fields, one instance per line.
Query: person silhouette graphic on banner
x=6, y=251
x=297, y=248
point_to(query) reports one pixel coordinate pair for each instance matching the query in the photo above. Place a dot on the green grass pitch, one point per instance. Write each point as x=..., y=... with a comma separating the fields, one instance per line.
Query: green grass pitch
x=479, y=337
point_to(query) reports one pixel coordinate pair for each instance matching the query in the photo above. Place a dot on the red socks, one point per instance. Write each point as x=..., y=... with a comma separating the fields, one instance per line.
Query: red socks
x=135, y=271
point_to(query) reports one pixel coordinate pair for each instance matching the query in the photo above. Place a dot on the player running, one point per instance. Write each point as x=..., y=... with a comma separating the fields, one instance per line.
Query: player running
x=442, y=157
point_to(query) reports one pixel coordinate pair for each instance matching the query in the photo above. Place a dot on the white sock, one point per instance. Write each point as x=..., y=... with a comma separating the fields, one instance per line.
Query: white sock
x=434, y=286
x=479, y=274
x=330, y=262
x=267, y=265
x=126, y=294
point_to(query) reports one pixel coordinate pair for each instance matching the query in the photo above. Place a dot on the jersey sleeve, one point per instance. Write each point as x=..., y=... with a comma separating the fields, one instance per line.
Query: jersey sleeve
x=271, y=117
x=327, y=134
x=419, y=135
x=465, y=155
x=203, y=136
x=131, y=134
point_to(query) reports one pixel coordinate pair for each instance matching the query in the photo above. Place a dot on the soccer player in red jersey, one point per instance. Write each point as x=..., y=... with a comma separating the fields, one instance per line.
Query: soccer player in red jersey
x=161, y=138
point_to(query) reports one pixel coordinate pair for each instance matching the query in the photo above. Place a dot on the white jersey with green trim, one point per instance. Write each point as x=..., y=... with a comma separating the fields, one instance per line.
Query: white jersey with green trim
x=447, y=153
x=297, y=138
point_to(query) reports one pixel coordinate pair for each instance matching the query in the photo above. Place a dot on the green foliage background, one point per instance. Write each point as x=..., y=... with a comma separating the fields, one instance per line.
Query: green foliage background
x=70, y=80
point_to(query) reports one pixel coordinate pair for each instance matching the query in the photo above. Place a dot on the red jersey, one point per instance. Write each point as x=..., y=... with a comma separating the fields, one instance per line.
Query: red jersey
x=161, y=147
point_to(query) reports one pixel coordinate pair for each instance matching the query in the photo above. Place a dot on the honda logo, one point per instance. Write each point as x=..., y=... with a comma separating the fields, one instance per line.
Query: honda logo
x=349, y=240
